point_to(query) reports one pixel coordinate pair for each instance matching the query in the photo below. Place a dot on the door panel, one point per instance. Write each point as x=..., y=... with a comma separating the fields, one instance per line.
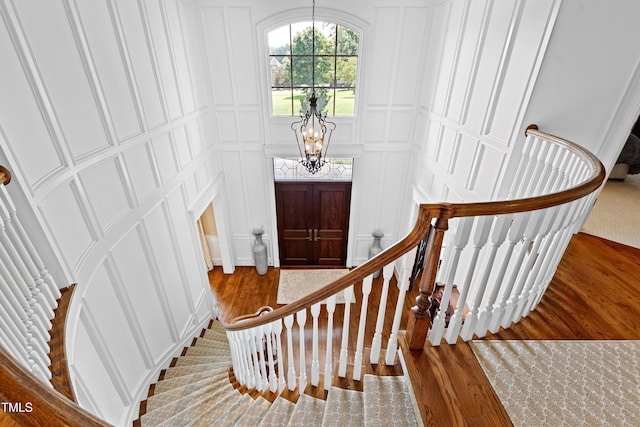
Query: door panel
x=293, y=231
x=313, y=222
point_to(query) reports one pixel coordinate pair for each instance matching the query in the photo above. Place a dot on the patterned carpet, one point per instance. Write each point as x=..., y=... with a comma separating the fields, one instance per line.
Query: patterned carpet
x=564, y=383
x=295, y=284
x=615, y=214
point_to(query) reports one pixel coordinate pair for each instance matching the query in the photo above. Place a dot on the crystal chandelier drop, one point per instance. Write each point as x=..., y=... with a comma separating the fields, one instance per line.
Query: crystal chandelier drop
x=313, y=130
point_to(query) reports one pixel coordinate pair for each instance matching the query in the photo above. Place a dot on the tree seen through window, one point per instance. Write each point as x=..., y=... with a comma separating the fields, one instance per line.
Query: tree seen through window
x=292, y=77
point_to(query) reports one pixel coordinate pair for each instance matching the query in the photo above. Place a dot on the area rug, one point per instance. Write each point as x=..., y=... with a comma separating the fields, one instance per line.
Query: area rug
x=564, y=383
x=615, y=214
x=295, y=284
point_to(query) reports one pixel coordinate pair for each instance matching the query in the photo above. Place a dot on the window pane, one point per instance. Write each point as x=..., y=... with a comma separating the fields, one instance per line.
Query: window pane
x=281, y=102
x=324, y=71
x=280, y=71
x=346, y=71
x=302, y=33
x=279, y=41
x=302, y=71
x=347, y=41
x=345, y=102
x=325, y=38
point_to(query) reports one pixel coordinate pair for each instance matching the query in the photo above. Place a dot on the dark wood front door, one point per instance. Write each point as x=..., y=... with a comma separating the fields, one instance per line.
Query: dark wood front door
x=313, y=221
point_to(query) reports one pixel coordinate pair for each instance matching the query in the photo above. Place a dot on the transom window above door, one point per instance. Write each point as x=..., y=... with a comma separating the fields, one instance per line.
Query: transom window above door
x=333, y=170
x=336, y=64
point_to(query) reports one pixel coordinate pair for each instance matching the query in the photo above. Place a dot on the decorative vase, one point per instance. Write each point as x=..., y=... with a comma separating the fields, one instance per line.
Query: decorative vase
x=376, y=248
x=259, y=252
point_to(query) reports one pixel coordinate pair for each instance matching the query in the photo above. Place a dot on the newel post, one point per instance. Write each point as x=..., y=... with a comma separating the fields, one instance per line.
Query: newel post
x=420, y=321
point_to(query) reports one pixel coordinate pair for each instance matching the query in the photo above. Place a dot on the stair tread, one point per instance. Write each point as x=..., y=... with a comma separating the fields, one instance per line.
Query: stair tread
x=278, y=414
x=223, y=413
x=200, y=360
x=191, y=411
x=309, y=411
x=162, y=413
x=169, y=396
x=207, y=351
x=387, y=401
x=253, y=416
x=182, y=380
x=206, y=341
x=344, y=408
x=177, y=371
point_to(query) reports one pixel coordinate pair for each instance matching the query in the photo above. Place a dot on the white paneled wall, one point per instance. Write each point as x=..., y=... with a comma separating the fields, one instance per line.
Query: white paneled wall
x=484, y=62
x=106, y=134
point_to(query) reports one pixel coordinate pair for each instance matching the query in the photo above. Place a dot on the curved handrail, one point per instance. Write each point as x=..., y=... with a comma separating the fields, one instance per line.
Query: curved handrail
x=5, y=175
x=49, y=408
x=441, y=210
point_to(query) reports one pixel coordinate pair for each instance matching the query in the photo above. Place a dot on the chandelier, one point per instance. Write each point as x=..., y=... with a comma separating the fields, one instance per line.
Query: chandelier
x=313, y=130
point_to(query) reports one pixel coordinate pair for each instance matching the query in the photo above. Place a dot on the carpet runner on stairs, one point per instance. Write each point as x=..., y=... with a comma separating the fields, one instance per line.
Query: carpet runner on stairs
x=197, y=391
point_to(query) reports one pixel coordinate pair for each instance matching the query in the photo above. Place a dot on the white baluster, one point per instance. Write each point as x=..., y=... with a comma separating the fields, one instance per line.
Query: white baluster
x=357, y=363
x=51, y=290
x=277, y=330
x=460, y=240
x=328, y=364
x=315, y=363
x=520, y=269
x=291, y=370
x=238, y=369
x=515, y=235
x=246, y=345
x=376, y=345
x=22, y=260
x=301, y=318
x=392, y=344
x=479, y=240
x=342, y=367
x=256, y=356
x=273, y=378
x=538, y=257
x=498, y=236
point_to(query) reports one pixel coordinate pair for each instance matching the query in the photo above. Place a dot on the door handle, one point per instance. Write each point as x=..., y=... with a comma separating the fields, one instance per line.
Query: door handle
x=315, y=235
x=309, y=236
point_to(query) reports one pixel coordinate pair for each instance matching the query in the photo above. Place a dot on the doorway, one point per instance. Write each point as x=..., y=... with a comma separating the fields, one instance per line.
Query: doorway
x=313, y=222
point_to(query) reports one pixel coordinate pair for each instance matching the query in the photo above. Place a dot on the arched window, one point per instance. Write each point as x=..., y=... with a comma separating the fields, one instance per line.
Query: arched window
x=336, y=61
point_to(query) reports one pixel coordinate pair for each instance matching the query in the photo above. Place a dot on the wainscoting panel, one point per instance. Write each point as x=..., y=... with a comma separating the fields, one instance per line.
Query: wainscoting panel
x=130, y=262
x=215, y=39
x=387, y=22
x=183, y=149
x=106, y=57
x=104, y=307
x=140, y=170
x=39, y=21
x=187, y=243
x=68, y=221
x=241, y=42
x=146, y=77
x=181, y=63
x=413, y=29
x=165, y=156
x=166, y=66
x=98, y=388
x=532, y=36
x=105, y=189
x=165, y=259
x=15, y=85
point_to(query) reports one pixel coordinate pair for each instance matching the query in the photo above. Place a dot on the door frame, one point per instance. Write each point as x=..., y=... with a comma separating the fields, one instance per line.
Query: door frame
x=271, y=197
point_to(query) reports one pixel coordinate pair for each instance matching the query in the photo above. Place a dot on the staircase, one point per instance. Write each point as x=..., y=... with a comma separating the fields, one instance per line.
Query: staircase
x=197, y=390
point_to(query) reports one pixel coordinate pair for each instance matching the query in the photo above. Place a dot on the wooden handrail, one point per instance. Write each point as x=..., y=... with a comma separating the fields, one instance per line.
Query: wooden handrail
x=441, y=210
x=46, y=406
x=5, y=175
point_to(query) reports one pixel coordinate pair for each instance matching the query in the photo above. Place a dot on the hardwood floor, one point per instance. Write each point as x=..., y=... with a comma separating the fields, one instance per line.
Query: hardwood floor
x=593, y=296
